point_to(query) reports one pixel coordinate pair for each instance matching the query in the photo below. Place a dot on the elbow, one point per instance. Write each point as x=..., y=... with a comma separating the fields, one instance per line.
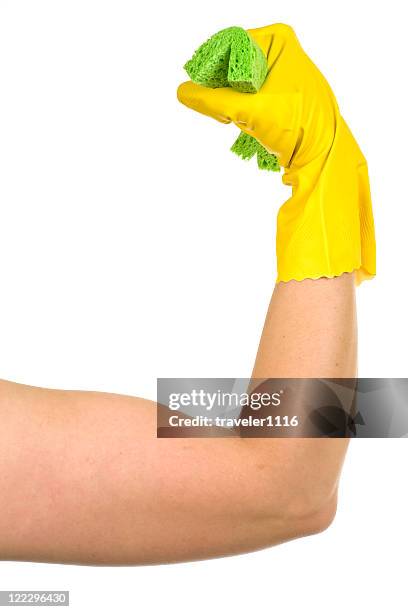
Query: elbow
x=311, y=517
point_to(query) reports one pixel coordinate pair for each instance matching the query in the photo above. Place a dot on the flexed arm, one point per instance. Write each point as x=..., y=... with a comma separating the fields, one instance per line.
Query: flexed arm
x=83, y=478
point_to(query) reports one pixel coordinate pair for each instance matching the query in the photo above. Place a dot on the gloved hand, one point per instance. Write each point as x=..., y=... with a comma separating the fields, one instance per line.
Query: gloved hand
x=326, y=228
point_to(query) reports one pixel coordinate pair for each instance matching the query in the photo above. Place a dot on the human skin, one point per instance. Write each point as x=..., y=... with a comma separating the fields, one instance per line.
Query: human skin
x=83, y=478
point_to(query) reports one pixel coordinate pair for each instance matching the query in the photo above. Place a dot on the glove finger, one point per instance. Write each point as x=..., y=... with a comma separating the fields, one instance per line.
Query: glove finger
x=223, y=104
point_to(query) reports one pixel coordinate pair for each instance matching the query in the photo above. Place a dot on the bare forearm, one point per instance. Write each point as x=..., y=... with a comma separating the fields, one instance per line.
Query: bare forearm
x=310, y=330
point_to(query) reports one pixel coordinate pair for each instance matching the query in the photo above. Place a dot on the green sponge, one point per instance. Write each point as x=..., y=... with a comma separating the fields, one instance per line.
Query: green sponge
x=247, y=146
x=231, y=58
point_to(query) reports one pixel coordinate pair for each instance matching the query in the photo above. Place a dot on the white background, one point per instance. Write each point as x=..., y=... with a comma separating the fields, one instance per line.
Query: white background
x=134, y=245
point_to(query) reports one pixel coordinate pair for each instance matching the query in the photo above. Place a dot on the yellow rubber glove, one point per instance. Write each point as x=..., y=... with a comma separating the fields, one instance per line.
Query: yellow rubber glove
x=326, y=228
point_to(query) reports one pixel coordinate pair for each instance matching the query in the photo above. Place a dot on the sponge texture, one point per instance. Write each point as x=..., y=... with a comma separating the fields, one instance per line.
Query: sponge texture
x=247, y=146
x=231, y=58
